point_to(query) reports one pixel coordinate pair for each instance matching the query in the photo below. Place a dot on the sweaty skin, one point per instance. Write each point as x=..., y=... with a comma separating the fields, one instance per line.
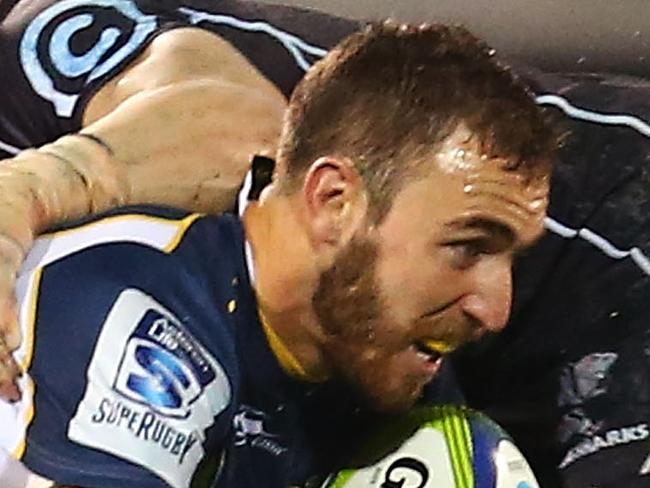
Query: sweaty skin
x=358, y=300
x=191, y=100
x=520, y=199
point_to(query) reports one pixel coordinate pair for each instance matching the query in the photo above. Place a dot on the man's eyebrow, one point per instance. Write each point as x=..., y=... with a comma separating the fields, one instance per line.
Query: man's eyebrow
x=493, y=227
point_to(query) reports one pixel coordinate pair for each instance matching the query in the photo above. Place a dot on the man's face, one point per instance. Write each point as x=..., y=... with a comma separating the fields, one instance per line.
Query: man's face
x=434, y=274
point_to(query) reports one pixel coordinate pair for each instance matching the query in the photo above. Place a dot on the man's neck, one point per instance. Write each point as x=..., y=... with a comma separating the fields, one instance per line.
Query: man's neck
x=285, y=277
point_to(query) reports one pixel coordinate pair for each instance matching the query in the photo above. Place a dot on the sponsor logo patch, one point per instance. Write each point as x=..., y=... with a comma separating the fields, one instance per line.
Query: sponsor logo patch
x=152, y=391
x=580, y=383
x=609, y=439
x=250, y=430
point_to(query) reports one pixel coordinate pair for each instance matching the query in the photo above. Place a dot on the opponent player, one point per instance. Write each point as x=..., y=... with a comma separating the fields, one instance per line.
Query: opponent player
x=387, y=237
x=583, y=288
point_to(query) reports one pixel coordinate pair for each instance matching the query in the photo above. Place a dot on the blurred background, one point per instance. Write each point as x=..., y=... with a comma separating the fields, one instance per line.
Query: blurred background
x=580, y=35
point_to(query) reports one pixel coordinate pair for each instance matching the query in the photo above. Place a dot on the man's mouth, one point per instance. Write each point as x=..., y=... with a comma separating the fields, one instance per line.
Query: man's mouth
x=432, y=350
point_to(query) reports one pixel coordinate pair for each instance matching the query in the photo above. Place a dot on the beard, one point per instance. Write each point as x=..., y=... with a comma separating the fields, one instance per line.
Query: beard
x=363, y=346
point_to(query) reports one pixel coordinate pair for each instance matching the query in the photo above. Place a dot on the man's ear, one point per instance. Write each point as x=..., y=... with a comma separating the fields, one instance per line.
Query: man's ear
x=336, y=201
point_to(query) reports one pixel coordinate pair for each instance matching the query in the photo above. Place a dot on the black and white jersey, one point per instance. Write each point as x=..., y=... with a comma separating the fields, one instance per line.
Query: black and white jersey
x=56, y=54
x=569, y=376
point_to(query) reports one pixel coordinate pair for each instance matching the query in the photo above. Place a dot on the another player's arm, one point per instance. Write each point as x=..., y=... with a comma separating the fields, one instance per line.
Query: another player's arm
x=191, y=110
x=191, y=101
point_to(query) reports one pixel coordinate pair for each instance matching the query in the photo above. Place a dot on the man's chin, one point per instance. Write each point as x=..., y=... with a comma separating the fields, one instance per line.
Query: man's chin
x=395, y=401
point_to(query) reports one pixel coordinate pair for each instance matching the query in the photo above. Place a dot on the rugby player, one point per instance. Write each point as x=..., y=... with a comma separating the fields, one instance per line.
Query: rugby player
x=261, y=343
x=571, y=399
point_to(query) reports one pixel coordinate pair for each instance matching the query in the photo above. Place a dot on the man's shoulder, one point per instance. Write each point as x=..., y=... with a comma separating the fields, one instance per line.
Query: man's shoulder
x=134, y=266
x=184, y=262
x=152, y=366
x=138, y=234
x=143, y=387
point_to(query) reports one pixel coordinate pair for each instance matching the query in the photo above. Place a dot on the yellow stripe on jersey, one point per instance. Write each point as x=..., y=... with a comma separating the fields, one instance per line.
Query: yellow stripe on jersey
x=28, y=307
x=183, y=225
x=158, y=232
x=31, y=319
x=287, y=360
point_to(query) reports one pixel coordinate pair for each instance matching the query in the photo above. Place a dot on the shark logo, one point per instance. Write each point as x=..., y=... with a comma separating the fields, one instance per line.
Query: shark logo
x=60, y=58
x=586, y=378
x=580, y=382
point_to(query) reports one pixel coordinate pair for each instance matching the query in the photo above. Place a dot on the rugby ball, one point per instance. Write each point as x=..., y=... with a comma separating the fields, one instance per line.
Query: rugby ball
x=439, y=447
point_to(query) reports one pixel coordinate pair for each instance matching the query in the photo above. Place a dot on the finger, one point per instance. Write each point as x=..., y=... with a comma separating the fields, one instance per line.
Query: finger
x=6, y=357
x=9, y=391
x=9, y=371
x=8, y=364
x=9, y=327
x=10, y=336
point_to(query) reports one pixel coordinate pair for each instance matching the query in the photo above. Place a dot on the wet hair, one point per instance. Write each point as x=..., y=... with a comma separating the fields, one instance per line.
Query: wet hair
x=388, y=96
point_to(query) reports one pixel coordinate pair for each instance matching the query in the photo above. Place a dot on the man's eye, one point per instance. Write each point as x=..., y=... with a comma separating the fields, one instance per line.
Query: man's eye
x=465, y=254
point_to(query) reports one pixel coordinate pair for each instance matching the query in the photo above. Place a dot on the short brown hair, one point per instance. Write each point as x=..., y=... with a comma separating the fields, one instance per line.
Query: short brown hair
x=387, y=97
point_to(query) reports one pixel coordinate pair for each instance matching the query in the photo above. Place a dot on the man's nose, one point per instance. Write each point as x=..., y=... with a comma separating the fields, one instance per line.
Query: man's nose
x=490, y=299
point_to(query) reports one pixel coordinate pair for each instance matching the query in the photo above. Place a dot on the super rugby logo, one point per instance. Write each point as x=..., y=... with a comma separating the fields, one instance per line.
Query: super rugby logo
x=152, y=390
x=75, y=42
x=163, y=366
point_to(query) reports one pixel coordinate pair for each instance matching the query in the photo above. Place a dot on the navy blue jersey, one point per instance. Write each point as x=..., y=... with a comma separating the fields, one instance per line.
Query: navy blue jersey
x=130, y=349
x=148, y=367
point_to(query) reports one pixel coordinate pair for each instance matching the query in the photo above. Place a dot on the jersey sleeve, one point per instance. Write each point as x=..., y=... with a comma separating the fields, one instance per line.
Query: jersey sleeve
x=126, y=387
x=55, y=55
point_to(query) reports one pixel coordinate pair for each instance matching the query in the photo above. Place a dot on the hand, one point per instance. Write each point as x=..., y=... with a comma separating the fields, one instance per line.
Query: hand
x=29, y=201
x=10, y=259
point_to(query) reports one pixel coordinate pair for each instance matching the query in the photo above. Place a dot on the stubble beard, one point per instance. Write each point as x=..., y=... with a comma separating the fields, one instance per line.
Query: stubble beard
x=360, y=347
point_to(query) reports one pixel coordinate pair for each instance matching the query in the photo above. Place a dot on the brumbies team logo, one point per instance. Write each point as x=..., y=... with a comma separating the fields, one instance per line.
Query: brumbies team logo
x=152, y=390
x=250, y=430
x=75, y=42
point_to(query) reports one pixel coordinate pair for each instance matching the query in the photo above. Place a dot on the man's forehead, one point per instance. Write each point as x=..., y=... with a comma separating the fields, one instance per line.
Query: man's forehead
x=461, y=153
x=459, y=162
x=495, y=201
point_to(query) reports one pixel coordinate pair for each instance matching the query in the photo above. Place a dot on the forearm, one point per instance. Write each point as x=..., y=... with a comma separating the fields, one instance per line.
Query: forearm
x=190, y=144
x=64, y=180
x=180, y=128
x=179, y=146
